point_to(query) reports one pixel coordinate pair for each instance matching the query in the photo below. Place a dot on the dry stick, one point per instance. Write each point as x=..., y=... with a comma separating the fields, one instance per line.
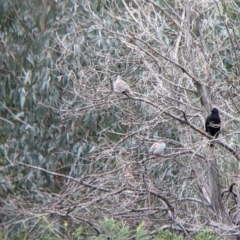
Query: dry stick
x=7, y=121
x=230, y=38
x=171, y=208
x=187, y=122
x=80, y=181
x=162, y=56
x=15, y=117
x=170, y=16
x=91, y=224
x=202, y=132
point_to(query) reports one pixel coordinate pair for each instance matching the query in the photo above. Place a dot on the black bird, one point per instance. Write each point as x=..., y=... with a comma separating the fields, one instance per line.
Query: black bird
x=212, y=124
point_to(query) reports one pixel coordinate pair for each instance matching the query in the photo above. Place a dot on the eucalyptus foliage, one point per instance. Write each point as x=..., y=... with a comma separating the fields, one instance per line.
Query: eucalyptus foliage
x=72, y=153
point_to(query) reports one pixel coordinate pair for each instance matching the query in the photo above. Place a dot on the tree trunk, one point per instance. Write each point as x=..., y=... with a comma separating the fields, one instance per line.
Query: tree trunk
x=215, y=192
x=238, y=197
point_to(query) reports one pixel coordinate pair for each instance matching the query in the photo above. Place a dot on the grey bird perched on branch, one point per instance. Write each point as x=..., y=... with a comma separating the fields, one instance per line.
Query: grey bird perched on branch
x=212, y=124
x=157, y=149
x=119, y=86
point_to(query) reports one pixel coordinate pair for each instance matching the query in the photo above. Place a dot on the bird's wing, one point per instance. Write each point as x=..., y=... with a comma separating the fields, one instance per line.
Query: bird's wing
x=152, y=148
x=160, y=148
x=123, y=86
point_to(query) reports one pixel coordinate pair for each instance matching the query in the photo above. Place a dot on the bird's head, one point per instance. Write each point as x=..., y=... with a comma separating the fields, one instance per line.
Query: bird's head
x=113, y=79
x=215, y=111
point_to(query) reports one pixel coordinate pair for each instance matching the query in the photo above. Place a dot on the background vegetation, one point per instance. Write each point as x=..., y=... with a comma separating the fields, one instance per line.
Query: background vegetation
x=74, y=160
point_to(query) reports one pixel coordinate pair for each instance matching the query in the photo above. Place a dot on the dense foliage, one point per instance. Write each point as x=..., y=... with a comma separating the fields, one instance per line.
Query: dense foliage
x=74, y=156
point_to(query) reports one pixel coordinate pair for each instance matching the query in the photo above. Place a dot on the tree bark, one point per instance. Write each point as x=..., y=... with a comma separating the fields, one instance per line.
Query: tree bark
x=215, y=192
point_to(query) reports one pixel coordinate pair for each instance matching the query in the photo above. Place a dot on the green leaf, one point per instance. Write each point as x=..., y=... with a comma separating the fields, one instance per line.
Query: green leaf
x=22, y=95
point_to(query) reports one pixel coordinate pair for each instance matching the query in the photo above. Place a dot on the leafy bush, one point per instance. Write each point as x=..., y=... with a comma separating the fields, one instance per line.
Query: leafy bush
x=206, y=235
x=166, y=235
x=113, y=230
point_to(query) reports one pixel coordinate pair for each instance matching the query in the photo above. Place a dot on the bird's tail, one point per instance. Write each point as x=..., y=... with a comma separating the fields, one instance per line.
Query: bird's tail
x=129, y=94
x=111, y=84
